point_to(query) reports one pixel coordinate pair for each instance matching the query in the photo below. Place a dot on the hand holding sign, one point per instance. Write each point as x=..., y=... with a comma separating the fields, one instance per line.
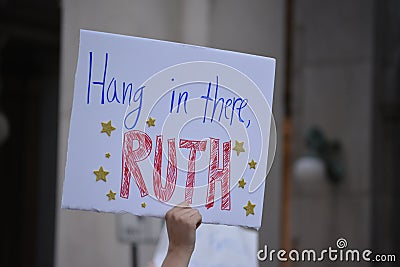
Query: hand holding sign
x=187, y=126
x=182, y=222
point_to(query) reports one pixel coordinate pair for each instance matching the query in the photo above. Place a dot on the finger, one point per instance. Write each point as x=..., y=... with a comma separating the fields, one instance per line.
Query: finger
x=183, y=204
x=196, y=218
x=180, y=206
x=183, y=213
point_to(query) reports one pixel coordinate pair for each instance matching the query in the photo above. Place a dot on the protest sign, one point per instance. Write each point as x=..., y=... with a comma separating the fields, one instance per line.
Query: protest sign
x=155, y=123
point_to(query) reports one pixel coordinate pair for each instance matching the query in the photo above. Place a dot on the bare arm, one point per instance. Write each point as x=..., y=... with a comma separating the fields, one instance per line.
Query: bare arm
x=182, y=222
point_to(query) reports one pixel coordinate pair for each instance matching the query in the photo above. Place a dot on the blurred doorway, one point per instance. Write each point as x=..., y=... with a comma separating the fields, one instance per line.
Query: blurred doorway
x=386, y=131
x=29, y=63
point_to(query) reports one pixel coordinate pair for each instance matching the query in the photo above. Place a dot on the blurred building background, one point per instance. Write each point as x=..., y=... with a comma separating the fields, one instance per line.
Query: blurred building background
x=338, y=70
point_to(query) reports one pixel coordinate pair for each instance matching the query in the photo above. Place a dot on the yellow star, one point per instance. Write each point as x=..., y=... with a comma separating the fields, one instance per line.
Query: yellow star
x=107, y=128
x=252, y=164
x=238, y=147
x=151, y=122
x=111, y=195
x=242, y=183
x=143, y=205
x=101, y=174
x=249, y=208
x=108, y=155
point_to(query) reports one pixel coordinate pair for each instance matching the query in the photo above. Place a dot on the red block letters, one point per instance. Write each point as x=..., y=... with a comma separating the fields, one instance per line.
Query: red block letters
x=129, y=159
x=164, y=193
x=130, y=168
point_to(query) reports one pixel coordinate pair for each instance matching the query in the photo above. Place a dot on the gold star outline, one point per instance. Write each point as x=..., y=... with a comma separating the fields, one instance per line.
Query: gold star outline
x=108, y=155
x=101, y=174
x=238, y=147
x=151, y=122
x=242, y=183
x=252, y=164
x=143, y=204
x=249, y=208
x=111, y=195
x=107, y=128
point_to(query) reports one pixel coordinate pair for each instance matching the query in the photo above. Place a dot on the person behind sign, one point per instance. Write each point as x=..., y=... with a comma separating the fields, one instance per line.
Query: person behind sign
x=182, y=222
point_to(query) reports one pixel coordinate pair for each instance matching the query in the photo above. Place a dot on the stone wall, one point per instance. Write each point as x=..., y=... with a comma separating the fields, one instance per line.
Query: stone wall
x=332, y=77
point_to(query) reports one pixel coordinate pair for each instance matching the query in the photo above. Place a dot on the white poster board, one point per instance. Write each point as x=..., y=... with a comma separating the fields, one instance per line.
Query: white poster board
x=155, y=123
